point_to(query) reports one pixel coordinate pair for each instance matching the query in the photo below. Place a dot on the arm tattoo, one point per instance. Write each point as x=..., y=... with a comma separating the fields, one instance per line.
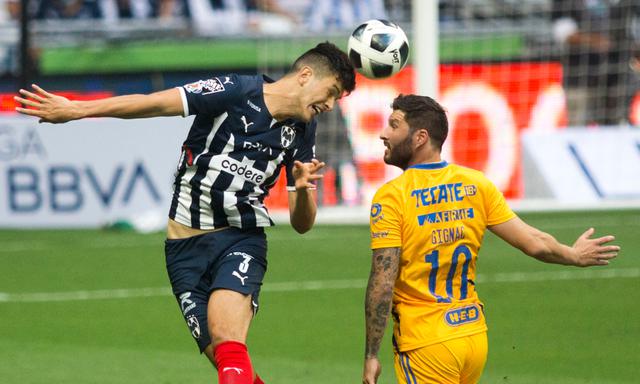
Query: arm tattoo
x=385, y=264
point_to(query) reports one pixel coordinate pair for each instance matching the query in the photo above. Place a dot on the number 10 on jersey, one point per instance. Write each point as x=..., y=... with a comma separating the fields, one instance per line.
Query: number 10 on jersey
x=433, y=259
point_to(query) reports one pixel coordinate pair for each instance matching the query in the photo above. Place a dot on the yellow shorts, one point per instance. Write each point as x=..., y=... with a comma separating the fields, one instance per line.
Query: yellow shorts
x=455, y=361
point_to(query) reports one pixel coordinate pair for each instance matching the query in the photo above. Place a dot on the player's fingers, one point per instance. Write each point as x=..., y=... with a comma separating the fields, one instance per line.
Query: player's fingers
x=298, y=164
x=315, y=176
x=316, y=166
x=607, y=256
x=587, y=233
x=41, y=91
x=31, y=95
x=609, y=248
x=604, y=239
x=27, y=102
x=26, y=111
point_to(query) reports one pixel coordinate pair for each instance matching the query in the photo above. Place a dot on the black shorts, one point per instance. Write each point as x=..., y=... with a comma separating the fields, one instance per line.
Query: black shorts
x=234, y=259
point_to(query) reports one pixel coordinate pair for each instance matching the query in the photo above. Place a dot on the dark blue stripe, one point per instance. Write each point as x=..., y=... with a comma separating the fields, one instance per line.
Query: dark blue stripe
x=582, y=164
x=176, y=191
x=439, y=165
x=404, y=368
x=413, y=377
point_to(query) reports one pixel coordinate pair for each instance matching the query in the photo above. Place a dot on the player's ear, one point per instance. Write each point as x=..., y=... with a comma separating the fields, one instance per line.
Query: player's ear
x=421, y=137
x=305, y=74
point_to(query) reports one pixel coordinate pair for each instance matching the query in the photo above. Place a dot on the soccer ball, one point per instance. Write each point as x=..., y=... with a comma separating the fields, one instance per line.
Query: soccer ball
x=378, y=49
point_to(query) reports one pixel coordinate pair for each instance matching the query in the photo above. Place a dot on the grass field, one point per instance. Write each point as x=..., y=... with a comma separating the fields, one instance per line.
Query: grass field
x=94, y=307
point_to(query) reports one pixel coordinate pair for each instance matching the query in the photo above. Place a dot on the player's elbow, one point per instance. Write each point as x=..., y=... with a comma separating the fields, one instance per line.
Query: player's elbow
x=302, y=228
x=302, y=224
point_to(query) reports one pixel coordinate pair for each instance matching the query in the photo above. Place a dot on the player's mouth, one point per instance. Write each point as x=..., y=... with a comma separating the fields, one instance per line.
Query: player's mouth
x=316, y=110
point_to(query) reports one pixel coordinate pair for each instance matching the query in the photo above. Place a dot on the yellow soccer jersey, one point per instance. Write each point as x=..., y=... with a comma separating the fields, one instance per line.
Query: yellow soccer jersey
x=437, y=214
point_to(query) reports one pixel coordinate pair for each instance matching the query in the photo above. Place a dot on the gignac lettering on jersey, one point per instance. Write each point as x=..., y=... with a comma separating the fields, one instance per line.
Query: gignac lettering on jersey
x=205, y=87
x=447, y=235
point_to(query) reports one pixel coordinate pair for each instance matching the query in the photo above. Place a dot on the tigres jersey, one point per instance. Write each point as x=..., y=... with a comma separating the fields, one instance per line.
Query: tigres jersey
x=437, y=214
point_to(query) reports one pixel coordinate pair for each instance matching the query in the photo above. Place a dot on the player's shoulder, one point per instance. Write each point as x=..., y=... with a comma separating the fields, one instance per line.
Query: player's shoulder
x=390, y=187
x=468, y=173
x=221, y=84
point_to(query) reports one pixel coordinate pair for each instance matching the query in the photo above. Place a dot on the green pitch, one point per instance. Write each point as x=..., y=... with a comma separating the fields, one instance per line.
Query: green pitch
x=94, y=307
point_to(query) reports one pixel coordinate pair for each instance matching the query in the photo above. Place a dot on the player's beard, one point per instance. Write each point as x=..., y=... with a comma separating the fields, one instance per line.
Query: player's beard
x=400, y=155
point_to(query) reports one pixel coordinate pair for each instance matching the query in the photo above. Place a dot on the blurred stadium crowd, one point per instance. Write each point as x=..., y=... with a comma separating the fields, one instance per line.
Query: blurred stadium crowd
x=597, y=41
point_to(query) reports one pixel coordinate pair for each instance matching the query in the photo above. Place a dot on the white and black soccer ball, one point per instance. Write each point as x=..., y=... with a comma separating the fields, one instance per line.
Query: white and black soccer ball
x=378, y=49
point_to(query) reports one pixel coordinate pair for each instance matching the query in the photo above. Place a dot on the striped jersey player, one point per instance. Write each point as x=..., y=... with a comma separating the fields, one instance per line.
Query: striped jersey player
x=427, y=227
x=234, y=153
x=246, y=132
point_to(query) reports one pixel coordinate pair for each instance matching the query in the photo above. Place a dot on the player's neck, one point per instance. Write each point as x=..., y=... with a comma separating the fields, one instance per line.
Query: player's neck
x=280, y=101
x=426, y=158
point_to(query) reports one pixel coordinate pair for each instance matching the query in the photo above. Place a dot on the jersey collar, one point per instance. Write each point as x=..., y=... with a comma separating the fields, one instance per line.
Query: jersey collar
x=438, y=165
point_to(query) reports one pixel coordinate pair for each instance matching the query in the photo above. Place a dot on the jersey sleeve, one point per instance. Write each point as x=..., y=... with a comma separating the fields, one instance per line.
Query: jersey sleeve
x=496, y=207
x=385, y=219
x=304, y=153
x=210, y=97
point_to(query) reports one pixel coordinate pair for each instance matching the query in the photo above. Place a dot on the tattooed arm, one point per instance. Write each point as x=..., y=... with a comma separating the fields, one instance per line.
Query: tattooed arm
x=385, y=264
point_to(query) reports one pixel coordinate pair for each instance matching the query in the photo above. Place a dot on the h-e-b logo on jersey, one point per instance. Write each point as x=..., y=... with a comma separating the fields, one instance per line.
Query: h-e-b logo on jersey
x=288, y=135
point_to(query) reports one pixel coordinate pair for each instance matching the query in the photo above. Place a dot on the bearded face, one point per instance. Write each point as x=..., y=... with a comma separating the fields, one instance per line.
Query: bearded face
x=397, y=139
x=399, y=154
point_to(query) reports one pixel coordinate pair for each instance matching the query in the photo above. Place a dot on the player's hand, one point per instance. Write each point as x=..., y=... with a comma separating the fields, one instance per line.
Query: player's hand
x=372, y=369
x=48, y=107
x=306, y=173
x=591, y=252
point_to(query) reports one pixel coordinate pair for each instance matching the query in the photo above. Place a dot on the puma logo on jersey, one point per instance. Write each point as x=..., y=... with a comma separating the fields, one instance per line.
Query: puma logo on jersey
x=246, y=125
x=253, y=106
x=242, y=278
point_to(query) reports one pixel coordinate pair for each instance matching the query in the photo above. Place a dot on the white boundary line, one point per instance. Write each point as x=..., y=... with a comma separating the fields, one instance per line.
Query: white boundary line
x=318, y=285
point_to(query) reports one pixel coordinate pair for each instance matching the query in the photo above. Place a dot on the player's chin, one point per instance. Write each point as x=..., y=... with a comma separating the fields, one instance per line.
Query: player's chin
x=309, y=114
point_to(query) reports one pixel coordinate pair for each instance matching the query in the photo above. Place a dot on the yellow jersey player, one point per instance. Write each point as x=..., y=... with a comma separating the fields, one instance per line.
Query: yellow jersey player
x=427, y=227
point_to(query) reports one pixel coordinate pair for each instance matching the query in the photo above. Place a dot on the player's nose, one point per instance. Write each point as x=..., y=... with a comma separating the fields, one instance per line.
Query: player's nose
x=330, y=104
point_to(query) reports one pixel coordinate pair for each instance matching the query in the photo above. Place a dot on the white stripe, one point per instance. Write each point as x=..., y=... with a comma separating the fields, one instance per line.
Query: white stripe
x=185, y=104
x=320, y=285
x=183, y=214
x=262, y=216
x=217, y=122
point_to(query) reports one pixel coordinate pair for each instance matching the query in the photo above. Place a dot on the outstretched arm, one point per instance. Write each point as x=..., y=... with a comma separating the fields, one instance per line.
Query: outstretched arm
x=52, y=108
x=302, y=202
x=385, y=264
x=585, y=251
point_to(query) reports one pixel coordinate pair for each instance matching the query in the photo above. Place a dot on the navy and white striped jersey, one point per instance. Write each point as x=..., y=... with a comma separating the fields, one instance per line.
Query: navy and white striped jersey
x=233, y=154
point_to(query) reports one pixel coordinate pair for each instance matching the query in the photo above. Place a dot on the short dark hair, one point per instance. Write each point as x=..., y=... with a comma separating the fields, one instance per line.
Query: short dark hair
x=423, y=112
x=328, y=58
